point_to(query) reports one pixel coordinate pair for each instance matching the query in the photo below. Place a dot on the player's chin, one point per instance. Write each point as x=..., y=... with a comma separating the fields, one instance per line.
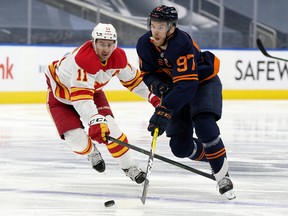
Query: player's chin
x=104, y=57
x=158, y=42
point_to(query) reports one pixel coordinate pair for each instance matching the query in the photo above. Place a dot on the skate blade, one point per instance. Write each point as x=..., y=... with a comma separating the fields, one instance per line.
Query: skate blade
x=230, y=195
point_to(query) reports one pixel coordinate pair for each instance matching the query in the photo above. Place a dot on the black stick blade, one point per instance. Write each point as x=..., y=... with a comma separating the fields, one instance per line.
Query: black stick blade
x=265, y=53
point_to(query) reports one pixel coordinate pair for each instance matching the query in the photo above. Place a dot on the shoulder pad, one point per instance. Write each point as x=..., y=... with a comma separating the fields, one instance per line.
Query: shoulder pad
x=87, y=59
x=182, y=42
x=118, y=59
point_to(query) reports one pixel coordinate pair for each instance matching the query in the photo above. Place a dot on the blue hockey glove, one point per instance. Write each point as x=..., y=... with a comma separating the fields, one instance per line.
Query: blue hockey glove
x=158, y=88
x=160, y=119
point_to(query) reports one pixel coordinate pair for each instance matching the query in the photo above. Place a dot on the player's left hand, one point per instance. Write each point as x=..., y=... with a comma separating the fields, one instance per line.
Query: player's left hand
x=159, y=88
x=160, y=119
x=98, y=128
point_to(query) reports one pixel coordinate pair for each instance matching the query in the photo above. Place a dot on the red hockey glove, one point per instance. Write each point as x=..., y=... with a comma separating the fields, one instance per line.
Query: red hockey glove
x=98, y=128
x=160, y=119
x=154, y=100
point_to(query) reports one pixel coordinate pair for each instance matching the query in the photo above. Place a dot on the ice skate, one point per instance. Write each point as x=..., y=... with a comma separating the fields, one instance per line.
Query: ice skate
x=96, y=160
x=226, y=187
x=135, y=174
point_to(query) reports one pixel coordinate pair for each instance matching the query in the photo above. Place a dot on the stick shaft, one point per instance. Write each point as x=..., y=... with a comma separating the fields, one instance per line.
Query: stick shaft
x=159, y=157
x=149, y=165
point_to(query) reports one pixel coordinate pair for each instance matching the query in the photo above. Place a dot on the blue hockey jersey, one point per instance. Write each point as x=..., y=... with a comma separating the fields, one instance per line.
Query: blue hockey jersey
x=182, y=66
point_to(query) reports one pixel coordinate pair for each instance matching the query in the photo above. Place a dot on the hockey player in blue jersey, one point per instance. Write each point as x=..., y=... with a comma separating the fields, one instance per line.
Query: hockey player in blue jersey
x=174, y=66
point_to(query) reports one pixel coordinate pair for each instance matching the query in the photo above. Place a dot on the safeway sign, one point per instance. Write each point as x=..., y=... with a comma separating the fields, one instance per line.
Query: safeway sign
x=249, y=69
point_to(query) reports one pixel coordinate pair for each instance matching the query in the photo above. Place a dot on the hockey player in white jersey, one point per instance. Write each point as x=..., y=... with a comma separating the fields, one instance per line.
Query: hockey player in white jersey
x=76, y=99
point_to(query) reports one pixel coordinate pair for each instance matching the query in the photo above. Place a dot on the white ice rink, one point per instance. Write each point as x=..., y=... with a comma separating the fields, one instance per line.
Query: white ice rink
x=40, y=175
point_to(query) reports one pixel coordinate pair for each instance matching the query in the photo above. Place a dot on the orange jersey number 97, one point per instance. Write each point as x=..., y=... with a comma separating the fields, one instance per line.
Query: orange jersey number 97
x=184, y=61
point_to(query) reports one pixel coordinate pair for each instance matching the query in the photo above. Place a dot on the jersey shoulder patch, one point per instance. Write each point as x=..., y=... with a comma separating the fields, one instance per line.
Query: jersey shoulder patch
x=87, y=59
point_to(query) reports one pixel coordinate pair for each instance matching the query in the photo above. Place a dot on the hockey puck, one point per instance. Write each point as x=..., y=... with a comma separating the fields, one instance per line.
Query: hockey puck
x=109, y=203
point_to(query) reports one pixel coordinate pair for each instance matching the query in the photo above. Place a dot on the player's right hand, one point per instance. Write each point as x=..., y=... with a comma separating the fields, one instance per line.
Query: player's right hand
x=160, y=119
x=98, y=128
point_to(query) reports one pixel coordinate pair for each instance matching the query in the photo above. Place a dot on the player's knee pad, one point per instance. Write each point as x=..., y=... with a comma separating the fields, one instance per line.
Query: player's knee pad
x=78, y=140
x=206, y=127
x=181, y=146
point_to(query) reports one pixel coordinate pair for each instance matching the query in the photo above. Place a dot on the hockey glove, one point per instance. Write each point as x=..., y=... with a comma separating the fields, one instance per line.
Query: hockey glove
x=158, y=87
x=160, y=119
x=154, y=100
x=98, y=128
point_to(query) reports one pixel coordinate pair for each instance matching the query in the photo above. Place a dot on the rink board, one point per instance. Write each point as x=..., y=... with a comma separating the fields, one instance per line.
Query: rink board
x=245, y=74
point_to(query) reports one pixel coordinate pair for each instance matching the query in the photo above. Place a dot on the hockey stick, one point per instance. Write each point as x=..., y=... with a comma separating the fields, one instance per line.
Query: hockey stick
x=159, y=157
x=150, y=160
x=265, y=53
x=149, y=165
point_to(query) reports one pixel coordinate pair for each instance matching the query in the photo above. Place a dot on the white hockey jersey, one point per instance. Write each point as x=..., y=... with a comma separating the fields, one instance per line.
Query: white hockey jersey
x=76, y=77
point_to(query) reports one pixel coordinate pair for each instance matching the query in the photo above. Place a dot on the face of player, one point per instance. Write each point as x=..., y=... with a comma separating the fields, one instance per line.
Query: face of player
x=159, y=32
x=104, y=48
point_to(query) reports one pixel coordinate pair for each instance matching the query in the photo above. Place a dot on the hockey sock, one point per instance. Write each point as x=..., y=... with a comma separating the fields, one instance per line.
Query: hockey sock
x=215, y=153
x=198, y=153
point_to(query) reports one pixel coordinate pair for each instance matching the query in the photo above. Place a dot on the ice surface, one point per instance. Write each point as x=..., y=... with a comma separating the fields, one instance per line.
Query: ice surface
x=40, y=175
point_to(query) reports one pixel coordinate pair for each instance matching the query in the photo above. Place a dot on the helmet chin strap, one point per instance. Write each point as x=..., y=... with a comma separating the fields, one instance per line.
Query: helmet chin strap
x=166, y=38
x=94, y=46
